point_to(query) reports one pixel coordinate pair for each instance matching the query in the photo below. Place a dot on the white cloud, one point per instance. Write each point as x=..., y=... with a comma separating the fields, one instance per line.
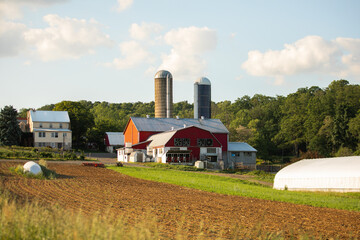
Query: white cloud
x=66, y=38
x=144, y=31
x=124, y=4
x=134, y=54
x=310, y=54
x=13, y=9
x=12, y=40
x=351, y=57
x=188, y=46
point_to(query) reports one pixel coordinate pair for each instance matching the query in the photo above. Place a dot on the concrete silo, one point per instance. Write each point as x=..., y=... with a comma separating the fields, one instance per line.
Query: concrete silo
x=202, y=98
x=163, y=94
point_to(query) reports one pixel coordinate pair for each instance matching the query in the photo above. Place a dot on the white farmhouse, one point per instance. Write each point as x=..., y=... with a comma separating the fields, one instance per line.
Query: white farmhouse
x=50, y=128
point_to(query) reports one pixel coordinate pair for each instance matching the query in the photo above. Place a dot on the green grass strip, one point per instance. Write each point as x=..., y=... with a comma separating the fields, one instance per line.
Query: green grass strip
x=231, y=186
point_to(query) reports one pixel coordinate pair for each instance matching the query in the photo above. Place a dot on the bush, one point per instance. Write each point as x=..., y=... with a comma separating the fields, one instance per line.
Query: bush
x=42, y=162
x=344, y=152
x=307, y=155
x=175, y=167
x=46, y=154
x=82, y=156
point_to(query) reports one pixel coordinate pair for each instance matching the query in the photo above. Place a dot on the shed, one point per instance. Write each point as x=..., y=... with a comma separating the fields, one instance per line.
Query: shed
x=137, y=156
x=113, y=140
x=341, y=174
x=242, y=155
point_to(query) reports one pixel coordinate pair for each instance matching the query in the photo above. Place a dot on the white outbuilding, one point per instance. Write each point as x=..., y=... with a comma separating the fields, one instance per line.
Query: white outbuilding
x=341, y=174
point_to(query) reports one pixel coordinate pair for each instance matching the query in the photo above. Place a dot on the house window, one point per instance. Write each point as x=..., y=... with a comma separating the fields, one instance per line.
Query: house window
x=42, y=134
x=247, y=154
x=54, y=135
x=51, y=125
x=235, y=154
x=64, y=134
x=53, y=145
x=60, y=126
x=40, y=125
x=160, y=150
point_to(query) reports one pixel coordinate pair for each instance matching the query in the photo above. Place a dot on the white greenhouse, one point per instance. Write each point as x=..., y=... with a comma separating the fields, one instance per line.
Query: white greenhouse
x=341, y=174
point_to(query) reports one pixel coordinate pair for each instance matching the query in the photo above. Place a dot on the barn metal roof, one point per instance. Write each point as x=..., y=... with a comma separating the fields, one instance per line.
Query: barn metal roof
x=240, y=147
x=168, y=124
x=115, y=138
x=50, y=116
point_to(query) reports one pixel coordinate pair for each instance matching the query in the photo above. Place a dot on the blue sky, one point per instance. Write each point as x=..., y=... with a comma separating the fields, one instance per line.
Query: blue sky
x=54, y=50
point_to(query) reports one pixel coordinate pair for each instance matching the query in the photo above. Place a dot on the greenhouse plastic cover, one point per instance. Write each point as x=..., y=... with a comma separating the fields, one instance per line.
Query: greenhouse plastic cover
x=340, y=174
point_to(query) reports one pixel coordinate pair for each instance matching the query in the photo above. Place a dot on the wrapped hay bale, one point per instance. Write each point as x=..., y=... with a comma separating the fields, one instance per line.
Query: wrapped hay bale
x=32, y=167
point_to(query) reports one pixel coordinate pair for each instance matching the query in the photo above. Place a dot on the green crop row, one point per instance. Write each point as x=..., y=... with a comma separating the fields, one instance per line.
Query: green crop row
x=38, y=153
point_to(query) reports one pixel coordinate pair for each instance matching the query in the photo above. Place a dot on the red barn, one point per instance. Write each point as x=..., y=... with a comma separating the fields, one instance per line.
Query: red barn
x=183, y=145
x=140, y=129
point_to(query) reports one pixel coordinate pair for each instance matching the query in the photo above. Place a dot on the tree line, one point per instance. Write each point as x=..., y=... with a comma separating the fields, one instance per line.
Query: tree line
x=322, y=122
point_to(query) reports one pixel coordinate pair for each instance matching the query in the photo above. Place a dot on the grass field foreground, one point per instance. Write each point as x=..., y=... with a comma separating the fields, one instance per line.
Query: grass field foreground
x=31, y=220
x=231, y=186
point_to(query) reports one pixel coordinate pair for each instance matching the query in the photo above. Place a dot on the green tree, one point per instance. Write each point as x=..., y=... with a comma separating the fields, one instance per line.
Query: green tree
x=10, y=132
x=354, y=127
x=80, y=119
x=183, y=110
x=23, y=112
x=48, y=107
x=292, y=130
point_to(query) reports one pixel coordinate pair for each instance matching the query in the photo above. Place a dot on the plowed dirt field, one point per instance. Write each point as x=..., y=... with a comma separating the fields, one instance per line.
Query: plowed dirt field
x=98, y=189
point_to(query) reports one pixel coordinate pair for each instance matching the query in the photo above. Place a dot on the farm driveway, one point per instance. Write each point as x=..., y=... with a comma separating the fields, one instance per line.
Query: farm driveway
x=99, y=189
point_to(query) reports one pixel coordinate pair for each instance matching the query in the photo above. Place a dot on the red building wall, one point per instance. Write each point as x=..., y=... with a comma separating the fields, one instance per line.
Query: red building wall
x=223, y=139
x=193, y=133
x=145, y=135
x=107, y=143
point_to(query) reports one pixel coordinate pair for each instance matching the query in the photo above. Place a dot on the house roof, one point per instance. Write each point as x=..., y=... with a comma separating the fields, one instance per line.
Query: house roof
x=166, y=124
x=240, y=147
x=50, y=116
x=115, y=138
